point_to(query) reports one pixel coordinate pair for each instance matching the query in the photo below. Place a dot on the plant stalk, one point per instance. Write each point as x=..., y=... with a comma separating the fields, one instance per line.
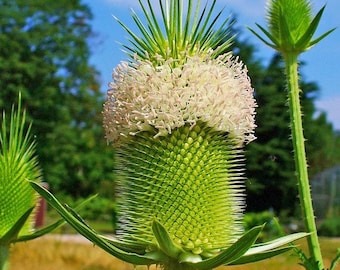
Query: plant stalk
x=4, y=257
x=291, y=60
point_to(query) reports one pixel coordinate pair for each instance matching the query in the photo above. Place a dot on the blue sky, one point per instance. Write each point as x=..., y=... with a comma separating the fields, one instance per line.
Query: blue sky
x=322, y=61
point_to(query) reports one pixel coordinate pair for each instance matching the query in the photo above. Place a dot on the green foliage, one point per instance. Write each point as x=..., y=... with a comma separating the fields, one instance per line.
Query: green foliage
x=270, y=166
x=330, y=227
x=252, y=219
x=44, y=54
x=100, y=208
x=270, y=230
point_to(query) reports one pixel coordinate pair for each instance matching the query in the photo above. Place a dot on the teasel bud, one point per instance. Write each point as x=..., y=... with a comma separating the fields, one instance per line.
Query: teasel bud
x=18, y=199
x=18, y=164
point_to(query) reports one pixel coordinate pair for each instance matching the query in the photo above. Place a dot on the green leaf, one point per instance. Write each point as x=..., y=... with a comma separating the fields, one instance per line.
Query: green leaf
x=305, y=41
x=335, y=261
x=90, y=234
x=276, y=243
x=274, y=46
x=12, y=234
x=41, y=232
x=51, y=227
x=232, y=253
x=165, y=242
x=125, y=246
x=269, y=249
x=260, y=256
x=307, y=36
x=315, y=41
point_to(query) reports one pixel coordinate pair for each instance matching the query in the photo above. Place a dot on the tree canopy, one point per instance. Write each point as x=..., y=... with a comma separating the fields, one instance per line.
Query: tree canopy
x=44, y=54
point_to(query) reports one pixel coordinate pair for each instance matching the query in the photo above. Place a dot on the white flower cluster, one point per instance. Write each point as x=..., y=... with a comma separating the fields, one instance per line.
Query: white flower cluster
x=165, y=97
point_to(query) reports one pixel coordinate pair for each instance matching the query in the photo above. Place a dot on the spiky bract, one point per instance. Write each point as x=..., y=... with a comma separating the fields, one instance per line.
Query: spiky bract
x=17, y=165
x=190, y=181
x=186, y=29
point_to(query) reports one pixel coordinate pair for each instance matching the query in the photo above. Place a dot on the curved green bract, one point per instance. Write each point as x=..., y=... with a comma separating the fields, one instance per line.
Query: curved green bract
x=17, y=165
x=190, y=181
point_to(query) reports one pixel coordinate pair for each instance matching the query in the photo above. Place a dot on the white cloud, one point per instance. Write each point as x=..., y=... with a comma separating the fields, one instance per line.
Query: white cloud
x=331, y=106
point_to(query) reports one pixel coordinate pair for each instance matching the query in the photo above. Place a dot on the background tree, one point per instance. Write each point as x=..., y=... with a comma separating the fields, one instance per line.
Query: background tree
x=44, y=54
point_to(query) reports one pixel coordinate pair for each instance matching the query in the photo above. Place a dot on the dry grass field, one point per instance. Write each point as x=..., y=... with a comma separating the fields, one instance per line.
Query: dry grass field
x=55, y=252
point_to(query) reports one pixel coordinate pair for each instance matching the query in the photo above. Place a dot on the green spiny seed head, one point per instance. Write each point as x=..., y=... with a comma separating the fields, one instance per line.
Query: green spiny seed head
x=179, y=133
x=17, y=165
x=178, y=116
x=190, y=181
x=300, y=17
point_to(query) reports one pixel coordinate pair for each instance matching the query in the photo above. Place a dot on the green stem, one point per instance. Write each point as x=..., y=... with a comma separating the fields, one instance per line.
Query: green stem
x=4, y=257
x=291, y=60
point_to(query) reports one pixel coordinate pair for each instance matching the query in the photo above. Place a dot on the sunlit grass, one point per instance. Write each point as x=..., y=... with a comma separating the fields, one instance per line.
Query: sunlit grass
x=55, y=253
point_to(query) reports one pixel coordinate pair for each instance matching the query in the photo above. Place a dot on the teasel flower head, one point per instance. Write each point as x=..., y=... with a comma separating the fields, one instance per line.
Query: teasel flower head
x=179, y=117
x=179, y=113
